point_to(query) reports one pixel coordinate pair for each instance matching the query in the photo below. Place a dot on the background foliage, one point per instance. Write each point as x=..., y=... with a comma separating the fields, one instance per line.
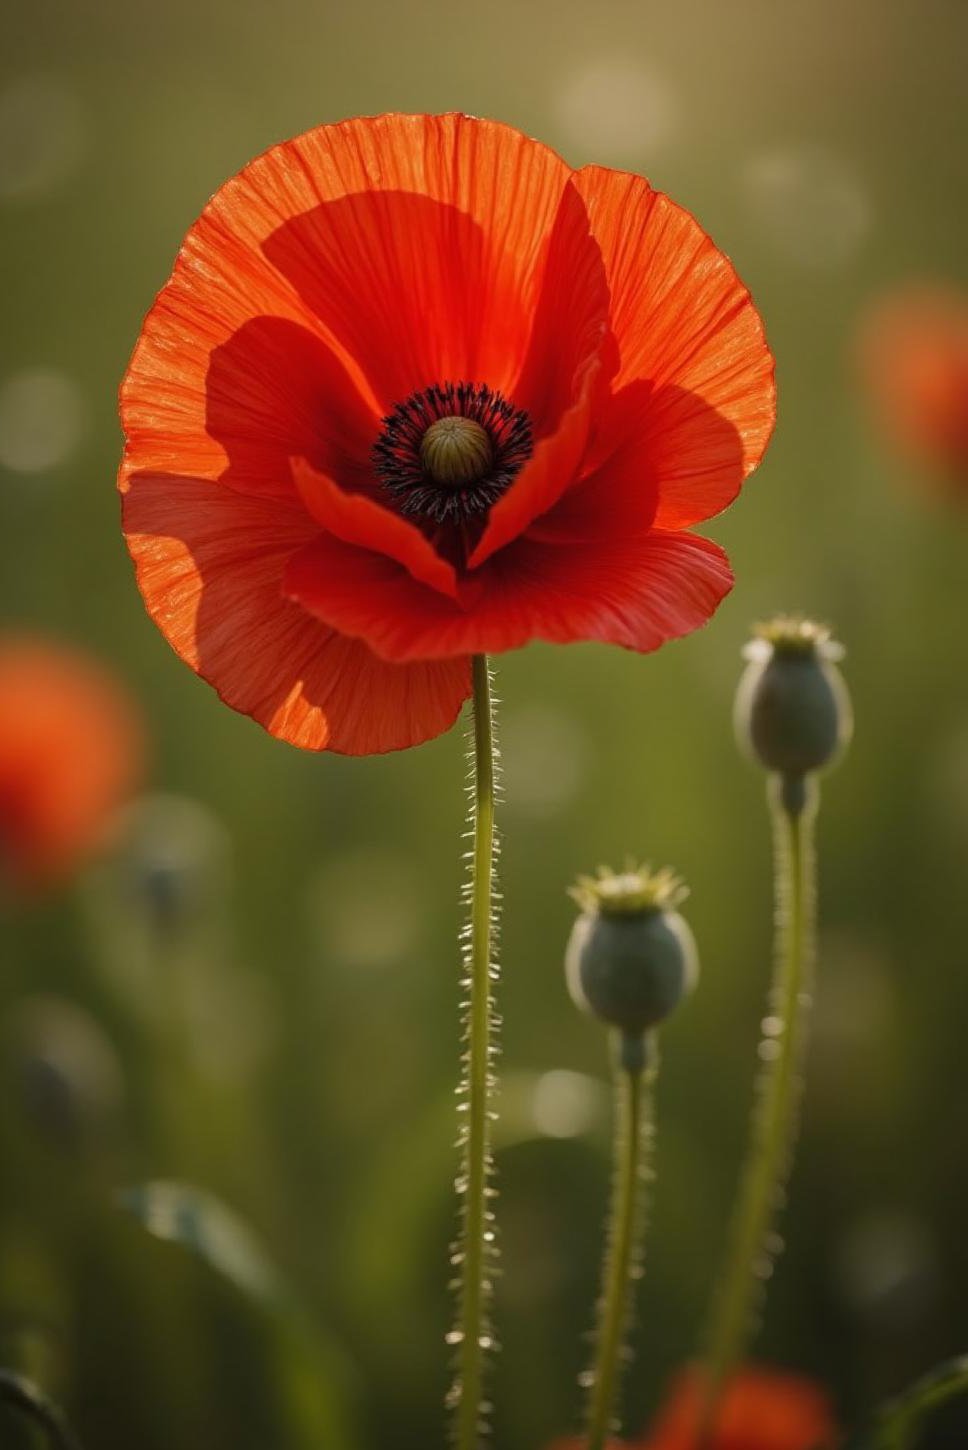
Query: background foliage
x=291, y=1047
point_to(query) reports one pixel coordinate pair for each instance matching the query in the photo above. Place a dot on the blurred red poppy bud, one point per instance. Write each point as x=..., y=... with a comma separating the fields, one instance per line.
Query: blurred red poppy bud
x=71, y=750
x=631, y=957
x=914, y=367
x=761, y=1409
x=792, y=710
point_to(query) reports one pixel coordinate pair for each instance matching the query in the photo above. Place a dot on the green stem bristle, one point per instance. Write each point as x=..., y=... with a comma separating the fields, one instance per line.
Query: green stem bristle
x=622, y=1266
x=753, y=1243
x=475, y=1254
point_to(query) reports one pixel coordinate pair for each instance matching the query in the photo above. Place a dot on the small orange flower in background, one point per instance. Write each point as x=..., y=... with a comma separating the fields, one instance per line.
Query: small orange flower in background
x=416, y=390
x=761, y=1409
x=71, y=750
x=914, y=359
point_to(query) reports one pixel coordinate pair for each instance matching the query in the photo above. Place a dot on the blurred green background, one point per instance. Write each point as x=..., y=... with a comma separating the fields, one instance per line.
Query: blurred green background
x=290, y=1047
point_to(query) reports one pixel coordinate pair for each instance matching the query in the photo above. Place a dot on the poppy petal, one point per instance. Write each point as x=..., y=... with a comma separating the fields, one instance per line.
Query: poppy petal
x=563, y=375
x=668, y=437
x=347, y=268
x=685, y=323
x=545, y=476
x=359, y=520
x=210, y=564
x=570, y=318
x=637, y=592
x=619, y=496
x=235, y=408
x=415, y=241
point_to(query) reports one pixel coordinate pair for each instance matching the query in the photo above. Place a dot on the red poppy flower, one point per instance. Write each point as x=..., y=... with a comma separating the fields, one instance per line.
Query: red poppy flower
x=914, y=355
x=417, y=390
x=761, y=1409
x=70, y=750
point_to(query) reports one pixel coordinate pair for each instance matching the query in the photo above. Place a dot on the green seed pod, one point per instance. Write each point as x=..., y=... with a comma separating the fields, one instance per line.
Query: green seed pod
x=175, y=867
x=63, y=1074
x=631, y=957
x=792, y=711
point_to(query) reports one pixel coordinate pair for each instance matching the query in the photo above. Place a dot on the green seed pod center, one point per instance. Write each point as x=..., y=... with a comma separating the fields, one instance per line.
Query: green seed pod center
x=456, y=451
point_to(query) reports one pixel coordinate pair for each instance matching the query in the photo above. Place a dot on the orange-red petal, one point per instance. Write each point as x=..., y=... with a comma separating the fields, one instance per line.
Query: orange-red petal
x=413, y=245
x=684, y=323
x=236, y=407
x=657, y=437
x=564, y=376
x=570, y=318
x=274, y=390
x=359, y=520
x=419, y=242
x=761, y=1409
x=619, y=495
x=210, y=564
x=638, y=592
x=343, y=270
x=544, y=478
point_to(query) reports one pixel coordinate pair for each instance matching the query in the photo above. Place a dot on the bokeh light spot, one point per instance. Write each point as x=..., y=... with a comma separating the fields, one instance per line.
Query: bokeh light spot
x=43, y=136
x=808, y=204
x=614, y=108
x=41, y=420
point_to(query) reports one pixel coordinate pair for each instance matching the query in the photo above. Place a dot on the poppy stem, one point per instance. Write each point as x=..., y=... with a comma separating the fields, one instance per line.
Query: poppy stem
x=753, y=1247
x=899, y=1423
x=476, y=1250
x=22, y=1395
x=633, y=1138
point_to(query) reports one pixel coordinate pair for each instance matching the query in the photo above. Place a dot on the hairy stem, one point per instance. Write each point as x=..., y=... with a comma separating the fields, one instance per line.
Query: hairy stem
x=753, y=1245
x=476, y=1250
x=633, y=1133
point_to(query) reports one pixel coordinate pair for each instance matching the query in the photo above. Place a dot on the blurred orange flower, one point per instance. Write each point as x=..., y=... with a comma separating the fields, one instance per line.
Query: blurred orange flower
x=914, y=359
x=416, y=390
x=761, y=1409
x=71, y=748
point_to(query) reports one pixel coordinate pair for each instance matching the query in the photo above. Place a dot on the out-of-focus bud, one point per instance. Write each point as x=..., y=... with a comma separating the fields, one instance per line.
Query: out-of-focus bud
x=71, y=750
x=792, y=710
x=913, y=354
x=631, y=957
x=175, y=863
x=63, y=1073
x=760, y=1407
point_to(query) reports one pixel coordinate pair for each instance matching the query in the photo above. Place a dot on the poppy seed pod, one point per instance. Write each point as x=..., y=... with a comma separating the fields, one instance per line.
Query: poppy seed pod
x=792, y=711
x=62, y=1074
x=631, y=957
x=175, y=867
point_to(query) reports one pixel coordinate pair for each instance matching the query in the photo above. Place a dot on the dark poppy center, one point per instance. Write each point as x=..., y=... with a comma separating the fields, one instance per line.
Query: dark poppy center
x=448, y=453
